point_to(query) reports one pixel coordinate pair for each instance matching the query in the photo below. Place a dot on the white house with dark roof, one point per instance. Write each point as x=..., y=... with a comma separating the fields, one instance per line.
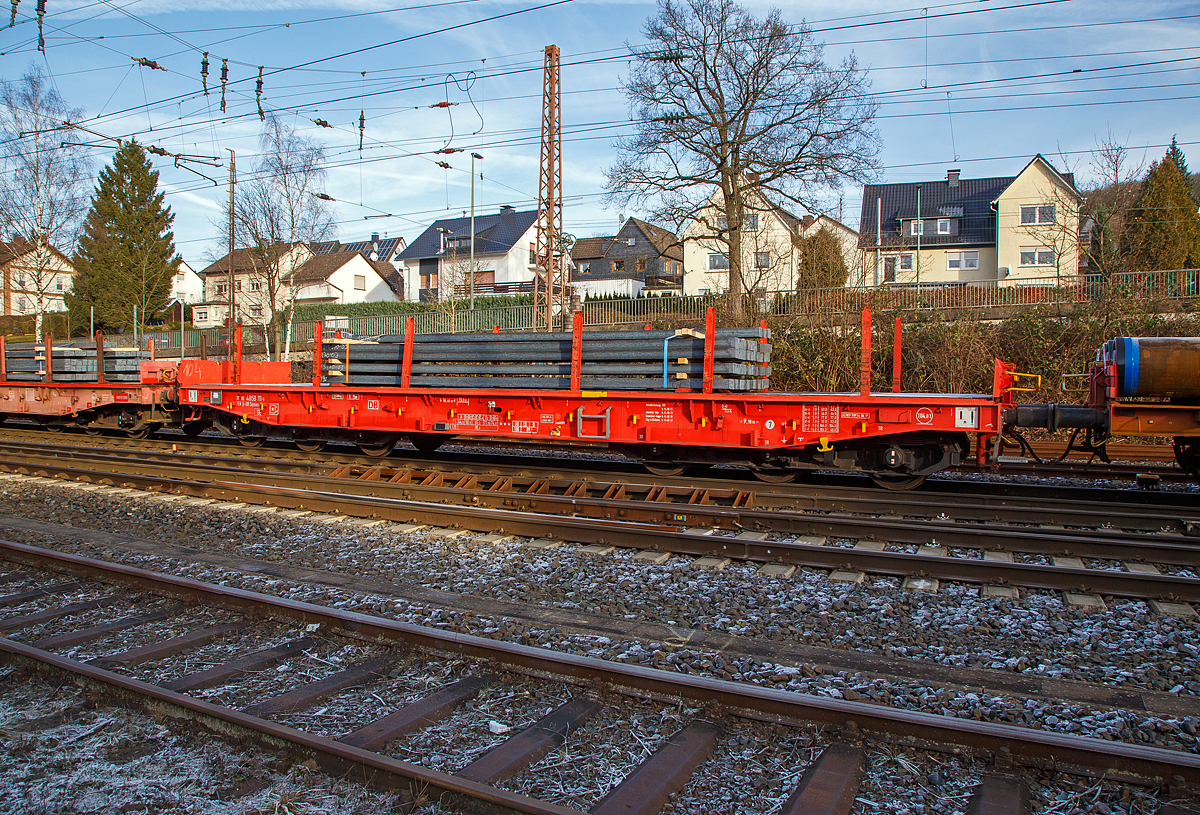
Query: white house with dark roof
x=973, y=230
x=308, y=276
x=344, y=277
x=437, y=264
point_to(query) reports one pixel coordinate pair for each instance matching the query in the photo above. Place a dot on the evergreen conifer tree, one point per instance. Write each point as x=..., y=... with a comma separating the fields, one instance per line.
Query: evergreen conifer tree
x=126, y=256
x=1164, y=227
x=1177, y=156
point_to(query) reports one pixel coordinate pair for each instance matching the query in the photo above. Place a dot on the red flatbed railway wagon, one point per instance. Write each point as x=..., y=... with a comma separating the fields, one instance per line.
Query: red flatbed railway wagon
x=1138, y=387
x=136, y=405
x=898, y=438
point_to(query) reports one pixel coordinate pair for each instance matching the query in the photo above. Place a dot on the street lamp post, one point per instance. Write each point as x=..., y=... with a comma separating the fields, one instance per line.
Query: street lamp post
x=471, y=268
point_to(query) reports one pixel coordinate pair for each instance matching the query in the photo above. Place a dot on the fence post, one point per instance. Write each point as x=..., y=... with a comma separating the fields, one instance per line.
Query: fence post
x=100, y=357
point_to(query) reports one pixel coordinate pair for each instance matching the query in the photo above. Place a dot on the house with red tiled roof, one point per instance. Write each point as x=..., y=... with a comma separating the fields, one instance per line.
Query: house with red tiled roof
x=640, y=259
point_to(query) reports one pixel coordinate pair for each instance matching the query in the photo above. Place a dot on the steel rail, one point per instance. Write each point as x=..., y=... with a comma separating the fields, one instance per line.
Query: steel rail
x=1104, y=544
x=664, y=537
x=1036, y=748
x=1123, y=516
x=973, y=497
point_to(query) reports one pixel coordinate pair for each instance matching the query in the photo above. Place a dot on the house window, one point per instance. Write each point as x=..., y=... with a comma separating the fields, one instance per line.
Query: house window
x=962, y=260
x=21, y=305
x=762, y=260
x=1040, y=214
x=585, y=268
x=749, y=223
x=429, y=281
x=238, y=285
x=716, y=261
x=892, y=263
x=943, y=226
x=532, y=256
x=618, y=265
x=1037, y=256
x=222, y=288
x=641, y=264
x=255, y=311
x=459, y=243
x=21, y=279
x=676, y=267
x=915, y=228
x=58, y=283
x=360, y=282
x=631, y=242
x=255, y=285
x=199, y=316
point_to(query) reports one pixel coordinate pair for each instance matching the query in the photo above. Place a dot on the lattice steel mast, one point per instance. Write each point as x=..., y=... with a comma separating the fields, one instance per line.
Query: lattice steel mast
x=550, y=223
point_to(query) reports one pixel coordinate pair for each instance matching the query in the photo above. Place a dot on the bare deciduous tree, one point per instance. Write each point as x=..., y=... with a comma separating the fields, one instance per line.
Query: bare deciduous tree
x=748, y=108
x=1109, y=202
x=276, y=209
x=44, y=183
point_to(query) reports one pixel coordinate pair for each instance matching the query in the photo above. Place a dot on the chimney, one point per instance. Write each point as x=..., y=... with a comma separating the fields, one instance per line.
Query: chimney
x=952, y=178
x=506, y=213
x=374, y=237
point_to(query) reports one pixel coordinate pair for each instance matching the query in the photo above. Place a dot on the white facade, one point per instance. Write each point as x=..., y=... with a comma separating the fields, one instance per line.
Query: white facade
x=515, y=266
x=355, y=281
x=35, y=280
x=616, y=287
x=768, y=253
x=186, y=285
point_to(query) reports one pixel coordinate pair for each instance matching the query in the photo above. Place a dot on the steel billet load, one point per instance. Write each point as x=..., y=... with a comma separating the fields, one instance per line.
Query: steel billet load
x=611, y=360
x=26, y=362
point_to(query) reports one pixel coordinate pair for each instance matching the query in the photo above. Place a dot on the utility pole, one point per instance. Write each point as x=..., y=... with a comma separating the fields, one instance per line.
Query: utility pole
x=920, y=229
x=232, y=185
x=549, y=224
x=471, y=268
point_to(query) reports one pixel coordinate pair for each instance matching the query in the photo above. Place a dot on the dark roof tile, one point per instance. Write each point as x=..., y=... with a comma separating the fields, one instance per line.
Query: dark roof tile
x=494, y=234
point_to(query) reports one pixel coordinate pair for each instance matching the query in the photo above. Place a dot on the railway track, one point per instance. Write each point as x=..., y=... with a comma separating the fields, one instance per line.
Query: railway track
x=200, y=652
x=1089, y=550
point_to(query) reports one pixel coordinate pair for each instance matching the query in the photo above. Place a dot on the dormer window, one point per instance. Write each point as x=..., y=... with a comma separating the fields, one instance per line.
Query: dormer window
x=943, y=226
x=915, y=228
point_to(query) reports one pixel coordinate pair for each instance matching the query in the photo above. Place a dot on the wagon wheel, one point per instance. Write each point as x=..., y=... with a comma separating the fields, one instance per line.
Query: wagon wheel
x=377, y=450
x=775, y=475
x=1187, y=454
x=93, y=429
x=666, y=469
x=898, y=481
x=310, y=445
x=139, y=432
x=252, y=441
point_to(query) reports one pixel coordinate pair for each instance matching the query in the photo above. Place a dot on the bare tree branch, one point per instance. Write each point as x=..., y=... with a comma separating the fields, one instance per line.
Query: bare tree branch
x=728, y=103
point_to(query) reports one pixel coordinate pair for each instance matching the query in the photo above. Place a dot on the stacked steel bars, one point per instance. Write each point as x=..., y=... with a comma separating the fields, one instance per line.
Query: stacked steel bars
x=611, y=360
x=76, y=362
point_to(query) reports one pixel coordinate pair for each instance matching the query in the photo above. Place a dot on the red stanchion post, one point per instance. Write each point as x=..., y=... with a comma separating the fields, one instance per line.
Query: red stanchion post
x=864, y=371
x=896, y=345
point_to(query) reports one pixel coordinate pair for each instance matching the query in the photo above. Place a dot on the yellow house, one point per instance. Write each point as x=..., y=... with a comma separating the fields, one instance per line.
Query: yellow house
x=770, y=251
x=35, y=279
x=1004, y=230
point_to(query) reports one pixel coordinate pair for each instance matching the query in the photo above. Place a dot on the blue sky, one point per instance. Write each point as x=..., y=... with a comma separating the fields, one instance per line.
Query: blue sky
x=981, y=85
